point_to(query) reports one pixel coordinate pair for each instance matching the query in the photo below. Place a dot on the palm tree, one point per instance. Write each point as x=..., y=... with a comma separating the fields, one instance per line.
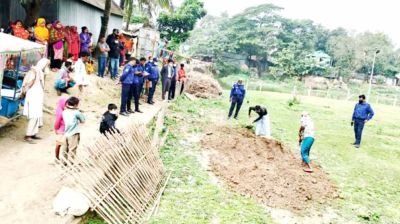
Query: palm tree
x=150, y=5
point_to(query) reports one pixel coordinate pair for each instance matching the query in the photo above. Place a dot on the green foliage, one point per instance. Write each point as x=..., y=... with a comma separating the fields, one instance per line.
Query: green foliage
x=176, y=26
x=144, y=10
x=292, y=61
x=276, y=45
x=139, y=19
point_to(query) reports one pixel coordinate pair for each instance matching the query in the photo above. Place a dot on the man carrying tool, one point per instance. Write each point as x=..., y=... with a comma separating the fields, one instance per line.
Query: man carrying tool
x=263, y=127
x=306, y=140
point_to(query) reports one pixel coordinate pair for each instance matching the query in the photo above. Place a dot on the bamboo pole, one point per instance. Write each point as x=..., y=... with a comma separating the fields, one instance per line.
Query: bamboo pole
x=121, y=174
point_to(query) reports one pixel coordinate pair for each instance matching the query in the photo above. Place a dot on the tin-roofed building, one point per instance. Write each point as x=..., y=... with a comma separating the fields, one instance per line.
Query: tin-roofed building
x=70, y=12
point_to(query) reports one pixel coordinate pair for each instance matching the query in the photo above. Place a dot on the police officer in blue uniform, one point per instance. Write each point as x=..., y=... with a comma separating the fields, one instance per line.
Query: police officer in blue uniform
x=127, y=79
x=154, y=74
x=236, y=98
x=138, y=75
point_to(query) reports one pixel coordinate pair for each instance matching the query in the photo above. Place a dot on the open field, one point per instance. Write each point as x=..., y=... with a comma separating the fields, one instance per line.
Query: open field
x=368, y=180
x=388, y=95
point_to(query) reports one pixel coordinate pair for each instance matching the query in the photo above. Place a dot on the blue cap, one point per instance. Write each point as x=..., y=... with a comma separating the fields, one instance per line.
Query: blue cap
x=155, y=59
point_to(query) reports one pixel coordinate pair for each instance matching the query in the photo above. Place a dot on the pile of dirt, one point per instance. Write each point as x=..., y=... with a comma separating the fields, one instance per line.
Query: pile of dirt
x=203, y=86
x=265, y=170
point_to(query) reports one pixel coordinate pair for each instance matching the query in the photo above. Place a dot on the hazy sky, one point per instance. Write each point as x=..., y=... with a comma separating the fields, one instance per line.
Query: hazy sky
x=358, y=15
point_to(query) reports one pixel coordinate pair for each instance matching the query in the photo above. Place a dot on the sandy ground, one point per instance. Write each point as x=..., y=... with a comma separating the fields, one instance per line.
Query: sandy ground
x=265, y=170
x=29, y=177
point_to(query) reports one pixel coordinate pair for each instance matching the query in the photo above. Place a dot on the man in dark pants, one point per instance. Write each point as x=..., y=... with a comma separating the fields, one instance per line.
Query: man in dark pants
x=142, y=69
x=236, y=98
x=113, y=54
x=126, y=80
x=138, y=74
x=153, y=78
x=362, y=114
x=167, y=73
x=171, y=92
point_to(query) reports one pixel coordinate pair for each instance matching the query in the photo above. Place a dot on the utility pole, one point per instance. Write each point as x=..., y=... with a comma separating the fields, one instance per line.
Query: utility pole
x=372, y=74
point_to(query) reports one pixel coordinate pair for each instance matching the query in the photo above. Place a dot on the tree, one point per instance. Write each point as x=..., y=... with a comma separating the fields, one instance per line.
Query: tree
x=32, y=10
x=292, y=61
x=144, y=6
x=105, y=18
x=282, y=46
x=175, y=26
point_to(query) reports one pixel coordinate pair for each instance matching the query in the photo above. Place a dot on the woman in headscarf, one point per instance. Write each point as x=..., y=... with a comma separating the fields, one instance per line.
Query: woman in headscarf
x=85, y=40
x=57, y=45
x=66, y=31
x=18, y=30
x=33, y=87
x=41, y=31
x=73, y=42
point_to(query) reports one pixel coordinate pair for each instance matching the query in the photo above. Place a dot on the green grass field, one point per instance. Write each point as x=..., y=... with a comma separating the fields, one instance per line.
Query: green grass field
x=368, y=179
x=380, y=93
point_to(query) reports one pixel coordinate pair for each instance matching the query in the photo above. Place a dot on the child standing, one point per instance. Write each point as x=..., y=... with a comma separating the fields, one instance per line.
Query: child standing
x=59, y=125
x=72, y=118
x=107, y=125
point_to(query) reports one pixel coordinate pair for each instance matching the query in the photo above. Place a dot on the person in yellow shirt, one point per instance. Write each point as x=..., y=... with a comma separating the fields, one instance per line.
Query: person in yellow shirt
x=41, y=32
x=89, y=67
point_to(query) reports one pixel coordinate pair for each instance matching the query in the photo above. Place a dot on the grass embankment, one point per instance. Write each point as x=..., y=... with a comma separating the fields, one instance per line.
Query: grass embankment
x=191, y=195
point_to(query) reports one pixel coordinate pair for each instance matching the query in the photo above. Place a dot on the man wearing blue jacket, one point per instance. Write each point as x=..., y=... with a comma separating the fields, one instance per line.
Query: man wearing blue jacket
x=137, y=77
x=362, y=114
x=142, y=68
x=127, y=79
x=236, y=98
x=153, y=77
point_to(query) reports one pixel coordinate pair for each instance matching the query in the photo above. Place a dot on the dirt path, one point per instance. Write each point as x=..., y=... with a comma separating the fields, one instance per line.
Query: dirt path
x=29, y=177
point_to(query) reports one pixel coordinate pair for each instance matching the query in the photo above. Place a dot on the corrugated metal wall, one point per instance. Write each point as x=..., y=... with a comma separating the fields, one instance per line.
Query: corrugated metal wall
x=70, y=12
x=73, y=12
x=48, y=10
x=4, y=12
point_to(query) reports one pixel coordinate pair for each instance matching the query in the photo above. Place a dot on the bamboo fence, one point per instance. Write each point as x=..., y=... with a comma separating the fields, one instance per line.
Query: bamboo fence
x=121, y=174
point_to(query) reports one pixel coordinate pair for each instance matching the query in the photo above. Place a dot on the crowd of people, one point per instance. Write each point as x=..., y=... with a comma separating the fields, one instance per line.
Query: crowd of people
x=70, y=56
x=362, y=113
x=67, y=43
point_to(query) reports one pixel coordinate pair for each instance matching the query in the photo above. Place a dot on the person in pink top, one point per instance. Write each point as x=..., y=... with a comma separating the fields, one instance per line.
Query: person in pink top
x=59, y=125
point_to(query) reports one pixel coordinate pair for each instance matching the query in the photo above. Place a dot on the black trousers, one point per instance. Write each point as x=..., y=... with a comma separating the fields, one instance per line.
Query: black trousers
x=236, y=102
x=166, y=87
x=136, y=95
x=126, y=98
x=358, y=130
x=152, y=90
x=172, y=89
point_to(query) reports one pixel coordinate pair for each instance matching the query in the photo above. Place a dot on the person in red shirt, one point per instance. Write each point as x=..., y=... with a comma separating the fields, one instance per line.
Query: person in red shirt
x=182, y=77
x=19, y=30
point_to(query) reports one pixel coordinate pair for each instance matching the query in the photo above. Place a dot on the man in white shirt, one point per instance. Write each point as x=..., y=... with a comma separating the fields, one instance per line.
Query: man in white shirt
x=306, y=139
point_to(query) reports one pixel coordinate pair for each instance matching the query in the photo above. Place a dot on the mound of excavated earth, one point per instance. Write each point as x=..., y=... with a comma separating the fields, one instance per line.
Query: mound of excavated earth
x=203, y=86
x=265, y=170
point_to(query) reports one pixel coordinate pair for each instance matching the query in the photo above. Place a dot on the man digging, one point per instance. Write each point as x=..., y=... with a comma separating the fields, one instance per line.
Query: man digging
x=306, y=140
